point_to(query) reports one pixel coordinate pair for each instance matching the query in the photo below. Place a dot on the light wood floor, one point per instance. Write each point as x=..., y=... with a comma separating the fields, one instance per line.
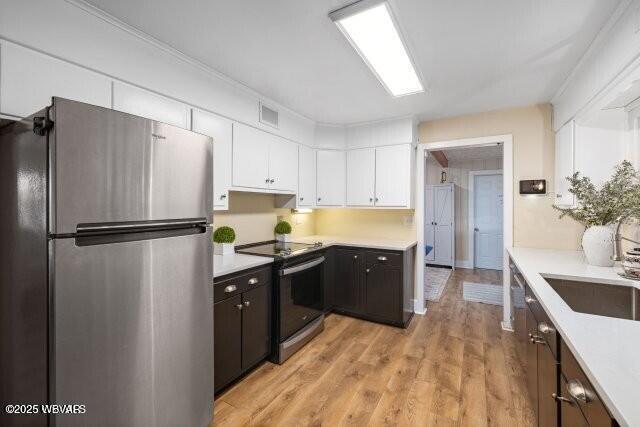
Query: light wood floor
x=453, y=366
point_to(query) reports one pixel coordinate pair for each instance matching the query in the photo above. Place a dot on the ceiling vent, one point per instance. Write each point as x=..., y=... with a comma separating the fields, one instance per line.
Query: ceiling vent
x=268, y=116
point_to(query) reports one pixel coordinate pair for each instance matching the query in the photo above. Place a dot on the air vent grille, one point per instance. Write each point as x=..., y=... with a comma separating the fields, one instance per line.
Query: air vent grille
x=268, y=116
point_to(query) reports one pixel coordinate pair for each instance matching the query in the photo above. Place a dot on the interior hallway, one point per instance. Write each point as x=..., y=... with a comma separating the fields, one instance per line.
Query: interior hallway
x=453, y=366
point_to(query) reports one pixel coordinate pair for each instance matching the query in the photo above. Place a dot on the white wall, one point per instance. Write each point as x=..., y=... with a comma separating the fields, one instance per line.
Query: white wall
x=78, y=34
x=611, y=55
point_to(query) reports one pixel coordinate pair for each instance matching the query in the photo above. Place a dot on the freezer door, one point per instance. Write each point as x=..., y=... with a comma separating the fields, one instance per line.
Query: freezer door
x=133, y=331
x=108, y=166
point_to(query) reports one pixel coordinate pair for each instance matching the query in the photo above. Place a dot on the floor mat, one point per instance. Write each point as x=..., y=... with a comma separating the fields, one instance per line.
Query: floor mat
x=435, y=280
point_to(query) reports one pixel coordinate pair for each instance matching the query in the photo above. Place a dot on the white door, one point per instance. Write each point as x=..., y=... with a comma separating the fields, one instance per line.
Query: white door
x=330, y=178
x=306, y=176
x=140, y=102
x=361, y=176
x=250, y=157
x=487, y=211
x=283, y=164
x=393, y=176
x=30, y=79
x=443, y=224
x=565, y=145
x=429, y=224
x=221, y=130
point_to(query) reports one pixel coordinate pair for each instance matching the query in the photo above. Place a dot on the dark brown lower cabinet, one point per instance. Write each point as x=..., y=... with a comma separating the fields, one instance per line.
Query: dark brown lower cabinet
x=547, y=386
x=348, y=290
x=532, y=360
x=242, y=324
x=382, y=296
x=570, y=413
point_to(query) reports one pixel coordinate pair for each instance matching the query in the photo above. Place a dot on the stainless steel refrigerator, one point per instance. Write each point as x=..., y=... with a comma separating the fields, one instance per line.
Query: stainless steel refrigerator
x=106, y=269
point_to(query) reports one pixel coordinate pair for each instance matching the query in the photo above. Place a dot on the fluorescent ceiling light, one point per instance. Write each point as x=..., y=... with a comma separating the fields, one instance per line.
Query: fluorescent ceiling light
x=371, y=30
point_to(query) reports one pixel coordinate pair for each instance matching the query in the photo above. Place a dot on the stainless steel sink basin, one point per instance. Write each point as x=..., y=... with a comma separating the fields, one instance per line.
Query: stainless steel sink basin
x=600, y=299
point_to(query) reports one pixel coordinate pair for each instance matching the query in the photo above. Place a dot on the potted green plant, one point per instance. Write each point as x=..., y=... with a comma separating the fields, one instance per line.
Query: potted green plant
x=223, y=238
x=283, y=231
x=599, y=209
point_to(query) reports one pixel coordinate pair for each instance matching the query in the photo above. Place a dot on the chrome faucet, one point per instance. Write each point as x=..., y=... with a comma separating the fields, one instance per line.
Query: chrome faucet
x=618, y=238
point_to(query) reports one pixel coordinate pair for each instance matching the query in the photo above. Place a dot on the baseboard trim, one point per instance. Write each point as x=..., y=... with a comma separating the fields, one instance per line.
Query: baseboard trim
x=464, y=263
x=506, y=326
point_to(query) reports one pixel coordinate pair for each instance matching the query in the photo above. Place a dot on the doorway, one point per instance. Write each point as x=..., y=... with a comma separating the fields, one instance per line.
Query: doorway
x=486, y=203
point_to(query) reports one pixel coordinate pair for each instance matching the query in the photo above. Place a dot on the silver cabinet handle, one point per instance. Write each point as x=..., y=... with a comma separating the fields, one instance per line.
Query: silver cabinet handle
x=230, y=288
x=266, y=180
x=476, y=229
x=561, y=399
x=253, y=281
x=377, y=200
x=579, y=391
x=223, y=196
x=247, y=303
x=367, y=270
x=370, y=199
x=382, y=258
x=355, y=257
x=272, y=180
x=545, y=328
x=239, y=306
x=301, y=198
x=529, y=300
x=559, y=196
x=537, y=340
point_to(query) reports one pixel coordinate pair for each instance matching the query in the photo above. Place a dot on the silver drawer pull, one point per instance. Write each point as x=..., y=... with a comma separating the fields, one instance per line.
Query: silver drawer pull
x=230, y=288
x=247, y=303
x=382, y=258
x=529, y=300
x=579, y=392
x=545, y=328
x=253, y=281
x=239, y=306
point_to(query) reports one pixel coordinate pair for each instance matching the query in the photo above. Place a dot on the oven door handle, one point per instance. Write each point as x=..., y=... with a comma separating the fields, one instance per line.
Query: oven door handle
x=301, y=267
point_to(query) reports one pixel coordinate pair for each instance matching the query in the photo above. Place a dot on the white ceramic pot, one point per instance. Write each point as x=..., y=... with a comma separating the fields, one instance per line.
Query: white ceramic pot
x=597, y=243
x=223, y=248
x=283, y=237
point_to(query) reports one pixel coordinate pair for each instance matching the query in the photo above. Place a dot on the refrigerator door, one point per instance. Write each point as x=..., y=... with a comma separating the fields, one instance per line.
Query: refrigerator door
x=110, y=167
x=133, y=330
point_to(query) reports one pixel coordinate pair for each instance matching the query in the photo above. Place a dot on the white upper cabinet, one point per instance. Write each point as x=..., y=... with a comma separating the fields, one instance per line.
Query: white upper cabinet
x=264, y=161
x=306, y=176
x=330, y=178
x=394, y=177
x=361, y=176
x=250, y=157
x=221, y=130
x=30, y=79
x=565, y=144
x=140, y=102
x=283, y=164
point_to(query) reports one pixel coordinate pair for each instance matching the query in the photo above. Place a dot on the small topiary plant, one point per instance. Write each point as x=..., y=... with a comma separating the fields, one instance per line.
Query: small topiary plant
x=224, y=235
x=283, y=227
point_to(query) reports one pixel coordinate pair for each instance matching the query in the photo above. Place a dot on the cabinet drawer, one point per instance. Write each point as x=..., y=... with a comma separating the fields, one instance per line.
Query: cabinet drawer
x=546, y=328
x=389, y=259
x=593, y=409
x=234, y=285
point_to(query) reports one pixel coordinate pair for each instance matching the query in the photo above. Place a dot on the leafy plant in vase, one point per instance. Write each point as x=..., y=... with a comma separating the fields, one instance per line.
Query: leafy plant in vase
x=223, y=238
x=599, y=209
x=283, y=231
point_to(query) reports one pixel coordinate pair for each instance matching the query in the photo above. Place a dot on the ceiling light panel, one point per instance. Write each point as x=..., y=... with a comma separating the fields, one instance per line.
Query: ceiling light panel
x=370, y=28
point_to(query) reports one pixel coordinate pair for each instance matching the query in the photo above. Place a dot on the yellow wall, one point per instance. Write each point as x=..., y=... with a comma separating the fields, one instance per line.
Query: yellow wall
x=253, y=217
x=388, y=224
x=536, y=223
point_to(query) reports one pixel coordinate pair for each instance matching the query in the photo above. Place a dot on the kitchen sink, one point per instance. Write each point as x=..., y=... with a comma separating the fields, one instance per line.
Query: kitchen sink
x=600, y=299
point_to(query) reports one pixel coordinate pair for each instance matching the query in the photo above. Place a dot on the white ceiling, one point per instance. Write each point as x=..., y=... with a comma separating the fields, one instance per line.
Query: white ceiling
x=473, y=55
x=473, y=153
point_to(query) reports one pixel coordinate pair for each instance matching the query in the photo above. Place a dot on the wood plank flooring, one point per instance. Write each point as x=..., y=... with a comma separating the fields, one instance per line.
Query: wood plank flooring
x=452, y=366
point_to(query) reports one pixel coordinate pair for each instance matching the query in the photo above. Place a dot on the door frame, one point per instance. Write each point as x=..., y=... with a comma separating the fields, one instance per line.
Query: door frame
x=471, y=220
x=507, y=225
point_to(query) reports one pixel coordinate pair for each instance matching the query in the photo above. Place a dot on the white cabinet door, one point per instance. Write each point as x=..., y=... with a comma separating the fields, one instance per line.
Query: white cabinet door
x=393, y=176
x=250, y=157
x=361, y=175
x=221, y=130
x=30, y=79
x=597, y=150
x=307, y=176
x=330, y=186
x=283, y=164
x=564, y=164
x=140, y=102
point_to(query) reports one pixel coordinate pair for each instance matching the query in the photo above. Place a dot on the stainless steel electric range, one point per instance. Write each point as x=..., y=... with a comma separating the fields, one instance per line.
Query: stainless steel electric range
x=298, y=297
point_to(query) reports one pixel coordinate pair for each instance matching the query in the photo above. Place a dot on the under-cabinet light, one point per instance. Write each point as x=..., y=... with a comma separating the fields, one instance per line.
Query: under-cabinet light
x=372, y=31
x=301, y=211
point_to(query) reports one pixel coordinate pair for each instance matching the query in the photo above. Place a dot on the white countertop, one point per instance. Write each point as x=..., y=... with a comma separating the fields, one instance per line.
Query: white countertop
x=373, y=243
x=225, y=264
x=608, y=349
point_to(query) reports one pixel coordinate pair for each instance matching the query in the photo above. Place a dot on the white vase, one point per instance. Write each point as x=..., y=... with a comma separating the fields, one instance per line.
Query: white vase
x=223, y=248
x=283, y=237
x=597, y=243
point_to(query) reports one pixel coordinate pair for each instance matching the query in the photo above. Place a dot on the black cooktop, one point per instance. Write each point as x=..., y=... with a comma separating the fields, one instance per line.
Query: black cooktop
x=278, y=249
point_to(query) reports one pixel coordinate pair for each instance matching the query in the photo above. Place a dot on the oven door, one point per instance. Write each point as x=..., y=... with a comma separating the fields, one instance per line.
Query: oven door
x=301, y=295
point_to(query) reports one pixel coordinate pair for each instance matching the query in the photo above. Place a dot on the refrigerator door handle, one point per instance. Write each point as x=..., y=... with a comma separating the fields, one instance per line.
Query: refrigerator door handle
x=139, y=226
